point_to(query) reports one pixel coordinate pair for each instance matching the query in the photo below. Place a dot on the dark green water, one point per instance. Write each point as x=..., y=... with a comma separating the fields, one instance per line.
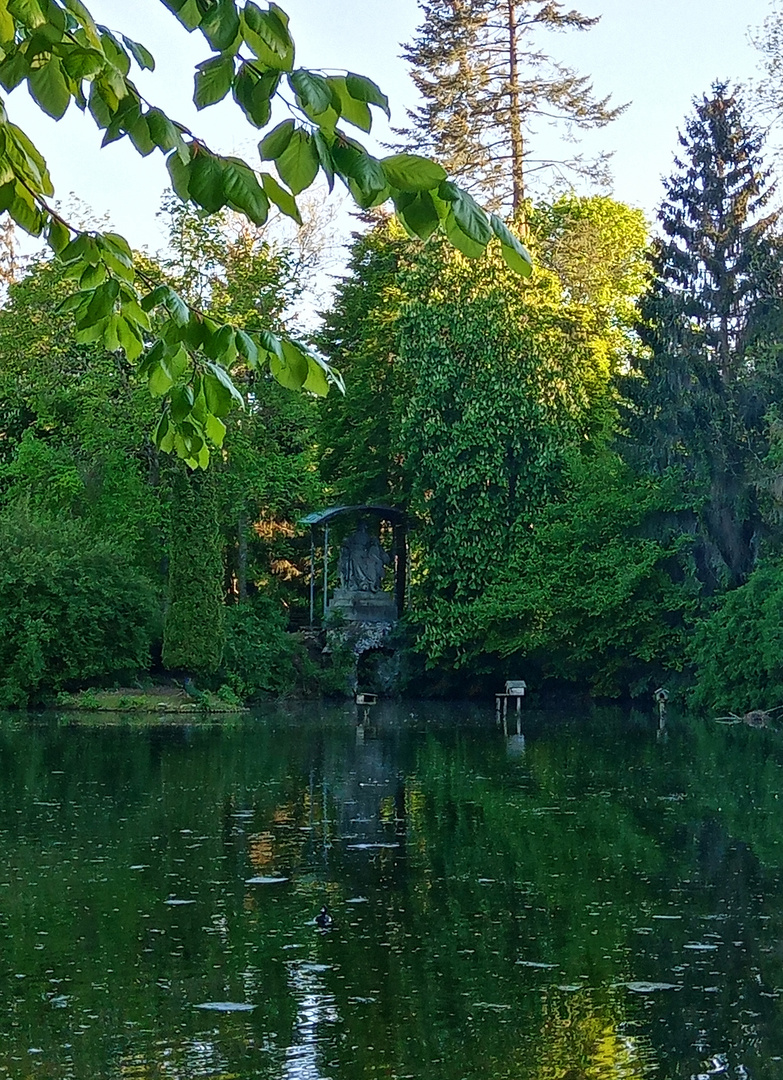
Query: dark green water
x=596, y=903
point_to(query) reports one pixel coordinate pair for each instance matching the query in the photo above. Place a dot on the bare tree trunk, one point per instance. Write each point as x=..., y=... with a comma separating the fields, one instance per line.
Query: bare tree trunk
x=515, y=119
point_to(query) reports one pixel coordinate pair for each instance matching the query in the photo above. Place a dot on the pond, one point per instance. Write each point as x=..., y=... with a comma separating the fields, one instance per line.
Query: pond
x=587, y=900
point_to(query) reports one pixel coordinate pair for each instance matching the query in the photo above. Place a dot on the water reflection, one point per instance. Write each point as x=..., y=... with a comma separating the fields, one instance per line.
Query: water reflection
x=576, y=900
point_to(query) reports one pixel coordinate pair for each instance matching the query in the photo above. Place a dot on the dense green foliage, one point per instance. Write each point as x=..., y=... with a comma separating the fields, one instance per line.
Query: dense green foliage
x=738, y=649
x=590, y=459
x=188, y=358
x=193, y=636
x=712, y=324
x=72, y=610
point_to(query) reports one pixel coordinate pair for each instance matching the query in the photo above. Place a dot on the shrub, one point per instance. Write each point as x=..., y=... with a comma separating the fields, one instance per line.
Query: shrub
x=71, y=612
x=738, y=649
x=260, y=657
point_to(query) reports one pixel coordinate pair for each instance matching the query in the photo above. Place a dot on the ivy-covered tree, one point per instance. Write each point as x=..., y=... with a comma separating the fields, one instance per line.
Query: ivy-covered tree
x=485, y=397
x=713, y=332
x=64, y=56
x=486, y=83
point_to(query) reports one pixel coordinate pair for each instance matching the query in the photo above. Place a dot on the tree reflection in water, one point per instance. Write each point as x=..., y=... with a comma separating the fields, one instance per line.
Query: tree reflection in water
x=589, y=903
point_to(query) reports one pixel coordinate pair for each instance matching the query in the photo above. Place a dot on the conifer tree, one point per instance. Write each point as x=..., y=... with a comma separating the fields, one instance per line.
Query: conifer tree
x=485, y=83
x=710, y=323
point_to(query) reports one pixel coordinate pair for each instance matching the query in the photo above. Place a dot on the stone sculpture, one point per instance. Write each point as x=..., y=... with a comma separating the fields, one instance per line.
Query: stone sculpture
x=362, y=562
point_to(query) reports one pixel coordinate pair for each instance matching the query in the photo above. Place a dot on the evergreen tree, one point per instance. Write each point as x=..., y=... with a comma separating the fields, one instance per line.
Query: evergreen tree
x=710, y=324
x=485, y=84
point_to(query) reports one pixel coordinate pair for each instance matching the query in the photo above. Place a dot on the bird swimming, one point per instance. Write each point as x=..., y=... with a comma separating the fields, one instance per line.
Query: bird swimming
x=323, y=919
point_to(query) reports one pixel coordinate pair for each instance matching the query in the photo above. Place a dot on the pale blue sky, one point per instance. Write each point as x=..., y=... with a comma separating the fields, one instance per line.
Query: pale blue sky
x=657, y=54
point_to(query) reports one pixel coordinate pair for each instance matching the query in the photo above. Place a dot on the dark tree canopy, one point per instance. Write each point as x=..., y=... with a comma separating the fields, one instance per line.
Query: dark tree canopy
x=717, y=283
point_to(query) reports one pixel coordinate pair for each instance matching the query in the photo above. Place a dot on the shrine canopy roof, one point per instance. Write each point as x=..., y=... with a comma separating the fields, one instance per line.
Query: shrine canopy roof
x=385, y=513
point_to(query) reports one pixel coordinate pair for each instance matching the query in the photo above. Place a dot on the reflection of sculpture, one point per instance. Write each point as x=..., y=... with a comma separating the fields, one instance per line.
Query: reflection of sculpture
x=362, y=561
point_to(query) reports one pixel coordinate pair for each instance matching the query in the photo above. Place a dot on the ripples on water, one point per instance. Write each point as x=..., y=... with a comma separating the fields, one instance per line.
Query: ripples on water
x=581, y=902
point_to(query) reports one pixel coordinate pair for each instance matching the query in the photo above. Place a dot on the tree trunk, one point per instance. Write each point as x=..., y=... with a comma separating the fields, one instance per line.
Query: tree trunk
x=515, y=120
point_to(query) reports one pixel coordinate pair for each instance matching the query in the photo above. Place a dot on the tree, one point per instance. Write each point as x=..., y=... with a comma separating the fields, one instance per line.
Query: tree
x=594, y=252
x=486, y=83
x=64, y=56
x=711, y=326
x=483, y=398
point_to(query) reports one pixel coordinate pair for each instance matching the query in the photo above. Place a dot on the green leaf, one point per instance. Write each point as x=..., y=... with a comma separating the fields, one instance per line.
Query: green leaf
x=92, y=276
x=213, y=81
x=13, y=70
x=515, y=254
x=160, y=381
x=163, y=131
x=206, y=181
x=461, y=241
x=267, y=35
x=220, y=25
x=324, y=151
x=253, y=92
x=215, y=430
x=28, y=12
x=271, y=342
x=246, y=348
x=161, y=429
x=187, y=11
x=176, y=306
x=130, y=339
x=224, y=378
x=80, y=63
x=419, y=214
x=352, y=160
x=49, y=88
x=221, y=346
x=22, y=151
x=276, y=142
x=182, y=400
x=140, y=54
x=243, y=192
x=411, y=172
x=180, y=176
x=102, y=303
x=313, y=91
x=140, y=136
x=363, y=89
x=218, y=397
x=471, y=218
x=316, y=381
x=58, y=236
x=292, y=369
x=282, y=199
x=298, y=165
x=354, y=111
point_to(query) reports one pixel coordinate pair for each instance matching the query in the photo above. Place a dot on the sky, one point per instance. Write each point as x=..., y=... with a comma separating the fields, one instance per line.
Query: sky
x=654, y=54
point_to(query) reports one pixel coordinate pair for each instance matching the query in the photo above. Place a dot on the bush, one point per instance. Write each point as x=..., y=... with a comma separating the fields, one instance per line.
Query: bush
x=71, y=612
x=738, y=649
x=260, y=657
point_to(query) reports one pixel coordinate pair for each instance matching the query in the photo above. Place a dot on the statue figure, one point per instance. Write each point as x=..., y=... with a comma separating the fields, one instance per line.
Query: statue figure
x=362, y=561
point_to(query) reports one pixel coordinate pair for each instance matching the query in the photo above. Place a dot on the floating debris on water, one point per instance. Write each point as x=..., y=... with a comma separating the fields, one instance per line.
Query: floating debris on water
x=225, y=1006
x=650, y=987
x=369, y=847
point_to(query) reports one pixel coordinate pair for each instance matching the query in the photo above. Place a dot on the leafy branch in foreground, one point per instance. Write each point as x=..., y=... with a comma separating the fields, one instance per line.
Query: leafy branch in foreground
x=64, y=56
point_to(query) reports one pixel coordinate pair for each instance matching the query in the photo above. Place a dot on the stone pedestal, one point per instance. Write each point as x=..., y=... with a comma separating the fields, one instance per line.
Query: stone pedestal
x=364, y=607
